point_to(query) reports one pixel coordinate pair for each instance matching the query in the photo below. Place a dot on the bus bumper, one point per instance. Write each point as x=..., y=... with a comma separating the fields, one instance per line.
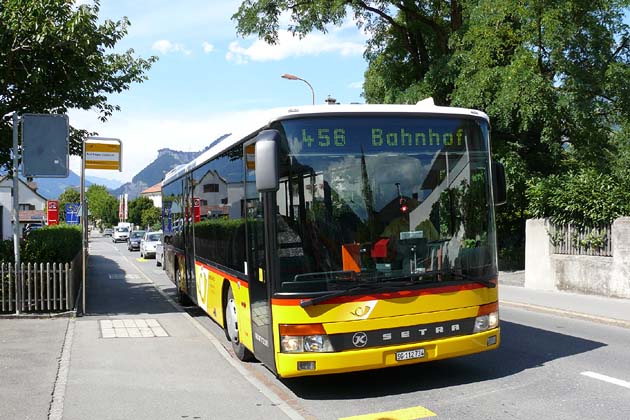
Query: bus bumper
x=376, y=358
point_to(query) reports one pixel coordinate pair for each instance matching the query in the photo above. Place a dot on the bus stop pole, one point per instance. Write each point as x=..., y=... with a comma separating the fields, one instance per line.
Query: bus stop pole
x=16, y=215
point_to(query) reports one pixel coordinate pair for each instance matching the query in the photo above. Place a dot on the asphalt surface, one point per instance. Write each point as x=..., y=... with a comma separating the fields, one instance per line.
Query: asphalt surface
x=562, y=356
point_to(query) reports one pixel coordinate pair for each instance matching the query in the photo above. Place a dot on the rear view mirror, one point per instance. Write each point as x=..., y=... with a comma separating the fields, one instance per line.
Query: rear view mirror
x=499, y=186
x=267, y=161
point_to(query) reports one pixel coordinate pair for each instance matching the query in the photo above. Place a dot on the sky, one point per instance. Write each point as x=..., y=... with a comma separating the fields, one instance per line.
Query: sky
x=208, y=79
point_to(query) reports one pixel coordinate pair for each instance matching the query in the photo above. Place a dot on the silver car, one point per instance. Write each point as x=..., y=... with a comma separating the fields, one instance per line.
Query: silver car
x=148, y=244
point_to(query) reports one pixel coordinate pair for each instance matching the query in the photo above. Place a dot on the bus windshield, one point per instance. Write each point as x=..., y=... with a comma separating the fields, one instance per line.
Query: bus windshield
x=383, y=199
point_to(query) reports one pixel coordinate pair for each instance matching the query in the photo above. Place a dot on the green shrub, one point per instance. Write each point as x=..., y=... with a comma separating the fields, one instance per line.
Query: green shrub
x=7, y=253
x=584, y=199
x=55, y=244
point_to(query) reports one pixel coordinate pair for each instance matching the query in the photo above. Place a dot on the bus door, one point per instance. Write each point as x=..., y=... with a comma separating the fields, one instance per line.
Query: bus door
x=189, y=250
x=261, y=226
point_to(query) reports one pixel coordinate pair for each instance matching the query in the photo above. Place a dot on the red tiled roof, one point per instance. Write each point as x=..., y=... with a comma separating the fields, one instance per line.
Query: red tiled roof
x=30, y=216
x=154, y=189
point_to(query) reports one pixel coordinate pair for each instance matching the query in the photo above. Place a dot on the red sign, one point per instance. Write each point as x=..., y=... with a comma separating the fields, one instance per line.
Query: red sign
x=53, y=212
x=196, y=209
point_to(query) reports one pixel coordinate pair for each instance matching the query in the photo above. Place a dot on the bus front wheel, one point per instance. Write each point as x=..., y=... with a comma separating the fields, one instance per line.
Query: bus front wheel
x=231, y=329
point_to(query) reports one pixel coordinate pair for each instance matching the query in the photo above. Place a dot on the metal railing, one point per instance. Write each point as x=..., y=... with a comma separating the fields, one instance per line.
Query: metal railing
x=571, y=240
x=43, y=287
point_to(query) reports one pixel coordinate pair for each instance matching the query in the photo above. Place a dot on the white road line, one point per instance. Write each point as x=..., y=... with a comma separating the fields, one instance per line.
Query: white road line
x=608, y=379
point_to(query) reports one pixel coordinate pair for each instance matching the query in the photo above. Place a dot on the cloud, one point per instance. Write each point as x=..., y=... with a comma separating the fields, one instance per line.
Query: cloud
x=292, y=46
x=207, y=47
x=165, y=46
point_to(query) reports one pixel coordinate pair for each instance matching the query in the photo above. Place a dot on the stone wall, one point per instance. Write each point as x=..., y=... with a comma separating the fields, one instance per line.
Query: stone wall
x=607, y=276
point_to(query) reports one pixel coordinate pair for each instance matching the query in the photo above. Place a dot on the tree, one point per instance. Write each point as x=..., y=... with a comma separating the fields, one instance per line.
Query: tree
x=552, y=76
x=136, y=207
x=409, y=40
x=55, y=56
x=70, y=195
x=151, y=218
x=102, y=205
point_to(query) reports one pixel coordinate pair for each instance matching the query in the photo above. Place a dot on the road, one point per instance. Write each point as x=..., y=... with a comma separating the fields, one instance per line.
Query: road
x=548, y=367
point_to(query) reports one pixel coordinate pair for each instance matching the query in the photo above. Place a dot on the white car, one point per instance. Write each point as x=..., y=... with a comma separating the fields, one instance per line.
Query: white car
x=148, y=244
x=121, y=234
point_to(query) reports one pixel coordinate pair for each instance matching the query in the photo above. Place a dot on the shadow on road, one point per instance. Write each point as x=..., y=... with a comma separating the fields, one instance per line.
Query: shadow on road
x=112, y=290
x=522, y=348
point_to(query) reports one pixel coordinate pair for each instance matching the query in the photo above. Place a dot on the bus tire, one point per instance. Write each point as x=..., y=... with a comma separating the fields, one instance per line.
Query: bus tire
x=182, y=297
x=231, y=329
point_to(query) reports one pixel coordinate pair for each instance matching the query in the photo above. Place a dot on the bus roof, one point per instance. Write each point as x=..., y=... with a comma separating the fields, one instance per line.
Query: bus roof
x=263, y=119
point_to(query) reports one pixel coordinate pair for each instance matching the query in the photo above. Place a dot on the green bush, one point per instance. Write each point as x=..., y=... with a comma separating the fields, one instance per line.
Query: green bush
x=7, y=253
x=584, y=199
x=55, y=244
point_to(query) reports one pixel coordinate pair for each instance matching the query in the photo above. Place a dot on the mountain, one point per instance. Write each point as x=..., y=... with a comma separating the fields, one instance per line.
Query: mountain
x=167, y=159
x=111, y=184
x=153, y=173
x=51, y=188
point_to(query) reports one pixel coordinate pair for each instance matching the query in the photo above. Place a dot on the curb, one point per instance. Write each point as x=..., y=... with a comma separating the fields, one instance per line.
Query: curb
x=569, y=314
x=47, y=315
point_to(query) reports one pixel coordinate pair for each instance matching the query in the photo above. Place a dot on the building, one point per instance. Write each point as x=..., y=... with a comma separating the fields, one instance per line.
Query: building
x=154, y=193
x=32, y=206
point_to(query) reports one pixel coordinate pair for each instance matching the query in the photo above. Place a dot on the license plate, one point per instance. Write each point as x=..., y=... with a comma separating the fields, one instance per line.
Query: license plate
x=409, y=354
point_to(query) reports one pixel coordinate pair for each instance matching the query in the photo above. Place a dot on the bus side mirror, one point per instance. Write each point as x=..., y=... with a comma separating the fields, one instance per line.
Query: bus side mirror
x=267, y=161
x=499, y=187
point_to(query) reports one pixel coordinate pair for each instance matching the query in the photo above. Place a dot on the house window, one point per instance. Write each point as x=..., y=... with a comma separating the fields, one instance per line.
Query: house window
x=26, y=206
x=210, y=188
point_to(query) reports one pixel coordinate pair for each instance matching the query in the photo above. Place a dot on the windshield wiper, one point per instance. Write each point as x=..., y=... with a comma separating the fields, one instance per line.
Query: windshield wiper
x=362, y=286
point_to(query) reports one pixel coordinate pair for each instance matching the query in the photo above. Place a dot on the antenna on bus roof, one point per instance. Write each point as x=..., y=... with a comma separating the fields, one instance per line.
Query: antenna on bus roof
x=331, y=101
x=427, y=101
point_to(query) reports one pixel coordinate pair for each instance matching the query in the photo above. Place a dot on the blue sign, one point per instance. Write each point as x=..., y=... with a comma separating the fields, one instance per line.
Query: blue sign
x=72, y=214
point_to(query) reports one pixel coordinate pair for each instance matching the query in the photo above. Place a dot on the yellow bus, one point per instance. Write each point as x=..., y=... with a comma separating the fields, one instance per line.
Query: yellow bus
x=339, y=238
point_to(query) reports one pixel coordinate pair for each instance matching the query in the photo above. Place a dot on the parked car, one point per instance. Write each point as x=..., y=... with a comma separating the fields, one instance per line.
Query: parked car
x=133, y=243
x=149, y=242
x=108, y=232
x=121, y=234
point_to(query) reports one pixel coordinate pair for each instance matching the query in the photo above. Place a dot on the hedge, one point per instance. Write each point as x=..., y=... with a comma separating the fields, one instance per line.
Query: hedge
x=54, y=244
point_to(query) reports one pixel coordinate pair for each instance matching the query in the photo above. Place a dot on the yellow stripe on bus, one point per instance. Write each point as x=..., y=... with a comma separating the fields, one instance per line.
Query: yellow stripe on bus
x=410, y=413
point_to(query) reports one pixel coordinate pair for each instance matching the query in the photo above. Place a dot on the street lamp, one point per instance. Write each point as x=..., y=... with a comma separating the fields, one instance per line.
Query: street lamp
x=292, y=77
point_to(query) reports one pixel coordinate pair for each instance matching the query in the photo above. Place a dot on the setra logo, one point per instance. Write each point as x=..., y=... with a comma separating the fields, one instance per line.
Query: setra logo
x=359, y=339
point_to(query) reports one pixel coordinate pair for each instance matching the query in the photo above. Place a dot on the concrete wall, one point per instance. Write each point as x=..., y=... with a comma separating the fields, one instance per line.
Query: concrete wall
x=608, y=276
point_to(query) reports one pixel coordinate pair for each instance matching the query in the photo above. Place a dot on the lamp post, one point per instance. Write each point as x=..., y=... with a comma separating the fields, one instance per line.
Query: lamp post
x=292, y=77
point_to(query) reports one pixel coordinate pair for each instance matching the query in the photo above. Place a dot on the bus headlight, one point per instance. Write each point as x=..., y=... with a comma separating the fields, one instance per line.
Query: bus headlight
x=487, y=317
x=304, y=339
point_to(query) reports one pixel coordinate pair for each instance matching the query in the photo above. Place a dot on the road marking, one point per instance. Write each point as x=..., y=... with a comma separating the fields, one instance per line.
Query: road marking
x=141, y=259
x=410, y=413
x=608, y=379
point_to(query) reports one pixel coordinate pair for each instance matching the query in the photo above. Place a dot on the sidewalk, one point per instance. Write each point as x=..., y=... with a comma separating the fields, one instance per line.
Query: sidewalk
x=134, y=355
x=589, y=307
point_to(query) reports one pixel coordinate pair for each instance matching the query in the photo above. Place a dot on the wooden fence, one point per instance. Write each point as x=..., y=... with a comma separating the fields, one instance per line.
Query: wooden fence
x=45, y=287
x=570, y=240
